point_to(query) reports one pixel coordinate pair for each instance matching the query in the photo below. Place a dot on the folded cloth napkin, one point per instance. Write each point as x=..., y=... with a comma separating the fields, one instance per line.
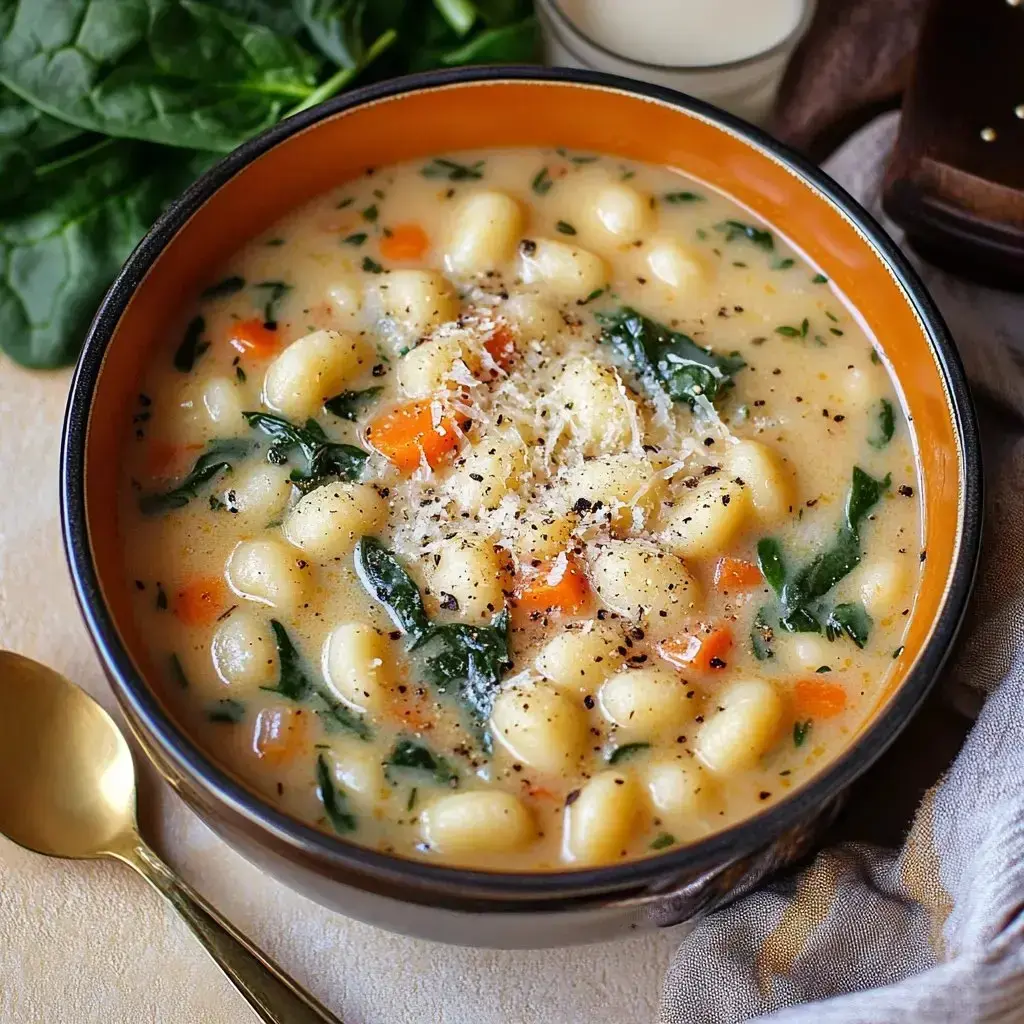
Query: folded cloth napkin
x=932, y=932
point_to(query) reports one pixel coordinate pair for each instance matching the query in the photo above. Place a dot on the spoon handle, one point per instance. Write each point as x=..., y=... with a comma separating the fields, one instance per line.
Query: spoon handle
x=275, y=997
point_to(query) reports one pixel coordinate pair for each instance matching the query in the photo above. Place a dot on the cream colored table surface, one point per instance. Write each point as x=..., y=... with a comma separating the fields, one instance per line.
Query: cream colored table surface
x=89, y=942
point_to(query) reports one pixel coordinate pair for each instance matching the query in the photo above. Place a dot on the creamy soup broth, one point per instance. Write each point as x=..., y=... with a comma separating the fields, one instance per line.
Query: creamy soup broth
x=523, y=509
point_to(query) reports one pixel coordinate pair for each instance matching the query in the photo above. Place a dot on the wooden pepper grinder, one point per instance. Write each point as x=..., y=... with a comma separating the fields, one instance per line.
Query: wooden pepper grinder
x=955, y=181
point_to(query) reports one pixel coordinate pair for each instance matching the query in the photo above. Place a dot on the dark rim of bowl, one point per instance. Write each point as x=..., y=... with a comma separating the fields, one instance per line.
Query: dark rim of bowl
x=510, y=890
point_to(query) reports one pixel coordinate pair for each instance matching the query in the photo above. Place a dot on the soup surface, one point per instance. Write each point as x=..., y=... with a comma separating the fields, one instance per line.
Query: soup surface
x=522, y=509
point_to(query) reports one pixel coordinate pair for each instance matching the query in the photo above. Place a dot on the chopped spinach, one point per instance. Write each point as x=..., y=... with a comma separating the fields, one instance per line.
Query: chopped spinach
x=667, y=359
x=292, y=680
x=819, y=279
x=762, y=633
x=800, y=731
x=851, y=619
x=324, y=459
x=771, y=563
x=565, y=228
x=733, y=229
x=783, y=264
x=419, y=757
x=371, y=213
x=578, y=158
x=595, y=294
x=452, y=170
x=227, y=710
x=382, y=575
x=349, y=404
x=794, y=332
x=220, y=457
x=355, y=239
x=663, y=841
x=275, y=292
x=542, y=182
x=222, y=289
x=371, y=266
x=626, y=751
x=682, y=197
x=192, y=346
x=885, y=425
x=332, y=796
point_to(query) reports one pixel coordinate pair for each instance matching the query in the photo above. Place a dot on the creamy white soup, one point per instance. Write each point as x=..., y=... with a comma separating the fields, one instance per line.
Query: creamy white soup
x=523, y=509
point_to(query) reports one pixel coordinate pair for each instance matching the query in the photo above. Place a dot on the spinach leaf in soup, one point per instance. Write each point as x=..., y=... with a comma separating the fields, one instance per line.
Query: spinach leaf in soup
x=220, y=457
x=418, y=756
x=224, y=288
x=273, y=293
x=885, y=424
x=324, y=459
x=850, y=619
x=667, y=359
x=227, y=711
x=733, y=229
x=452, y=170
x=626, y=751
x=192, y=346
x=771, y=563
x=349, y=404
x=332, y=796
x=382, y=575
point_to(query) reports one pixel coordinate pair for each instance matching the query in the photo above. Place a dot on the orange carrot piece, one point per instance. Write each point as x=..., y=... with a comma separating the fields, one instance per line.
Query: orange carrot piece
x=406, y=242
x=280, y=734
x=559, y=585
x=254, y=337
x=816, y=698
x=732, y=574
x=702, y=651
x=410, y=433
x=200, y=601
x=501, y=347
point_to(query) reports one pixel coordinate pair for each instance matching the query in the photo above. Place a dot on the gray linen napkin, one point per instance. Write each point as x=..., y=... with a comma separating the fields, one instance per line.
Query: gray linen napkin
x=932, y=932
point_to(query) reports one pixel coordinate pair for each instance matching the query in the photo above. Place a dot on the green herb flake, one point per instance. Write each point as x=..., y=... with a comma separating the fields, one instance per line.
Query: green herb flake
x=275, y=291
x=415, y=756
x=832, y=317
x=333, y=798
x=626, y=751
x=240, y=375
x=595, y=294
x=192, y=346
x=542, y=182
x=788, y=332
x=441, y=167
x=349, y=404
x=177, y=672
x=220, y=457
x=876, y=358
x=835, y=330
x=682, y=197
x=227, y=711
x=371, y=213
x=701, y=234
x=784, y=264
x=345, y=203
x=355, y=239
x=372, y=266
x=734, y=229
x=885, y=424
x=821, y=669
x=819, y=279
x=565, y=228
x=222, y=289
x=800, y=731
x=411, y=802
x=663, y=841
x=578, y=158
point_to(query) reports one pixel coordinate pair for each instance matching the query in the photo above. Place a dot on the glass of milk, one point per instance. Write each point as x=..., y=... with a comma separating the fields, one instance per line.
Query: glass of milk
x=729, y=52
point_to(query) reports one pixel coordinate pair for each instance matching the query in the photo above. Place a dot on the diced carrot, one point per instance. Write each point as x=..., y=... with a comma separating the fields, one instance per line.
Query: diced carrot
x=816, y=698
x=420, y=430
x=254, y=337
x=200, y=601
x=559, y=585
x=280, y=734
x=164, y=458
x=501, y=347
x=703, y=651
x=732, y=574
x=405, y=242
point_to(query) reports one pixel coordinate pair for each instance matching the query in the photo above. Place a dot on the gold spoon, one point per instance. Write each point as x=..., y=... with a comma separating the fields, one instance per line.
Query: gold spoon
x=67, y=789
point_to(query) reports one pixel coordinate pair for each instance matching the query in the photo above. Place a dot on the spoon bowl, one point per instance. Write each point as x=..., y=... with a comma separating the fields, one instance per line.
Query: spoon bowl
x=67, y=781
x=67, y=789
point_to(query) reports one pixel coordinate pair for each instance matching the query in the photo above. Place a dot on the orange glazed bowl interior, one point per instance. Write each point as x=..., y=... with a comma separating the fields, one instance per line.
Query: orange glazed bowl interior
x=480, y=108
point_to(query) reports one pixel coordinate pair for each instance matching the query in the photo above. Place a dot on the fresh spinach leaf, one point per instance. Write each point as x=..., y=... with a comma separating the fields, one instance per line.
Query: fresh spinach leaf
x=371, y=266
x=665, y=358
x=419, y=757
x=274, y=291
x=865, y=492
x=227, y=710
x=682, y=197
x=800, y=731
x=733, y=229
x=851, y=619
x=771, y=563
x=467, y=661
x=192, y=345
x=762, y=633
x=336, y=715
x=542, y=182
x=356, y=239
x=229, y=286
x=663, y=841
x=324, y=458
x=349, y=404
x=626, y=751
x=565, y=228
x=513, y=44
x=342, y=820
x=292, y=680
x=220, y=457
x=387, y=582
x=885, y=425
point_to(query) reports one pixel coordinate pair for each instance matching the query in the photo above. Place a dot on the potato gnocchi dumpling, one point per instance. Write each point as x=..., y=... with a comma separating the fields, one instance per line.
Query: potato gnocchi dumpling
x=526, y=510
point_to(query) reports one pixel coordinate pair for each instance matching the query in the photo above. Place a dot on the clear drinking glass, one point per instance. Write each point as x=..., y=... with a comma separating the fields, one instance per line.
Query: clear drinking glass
x=745, y=87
